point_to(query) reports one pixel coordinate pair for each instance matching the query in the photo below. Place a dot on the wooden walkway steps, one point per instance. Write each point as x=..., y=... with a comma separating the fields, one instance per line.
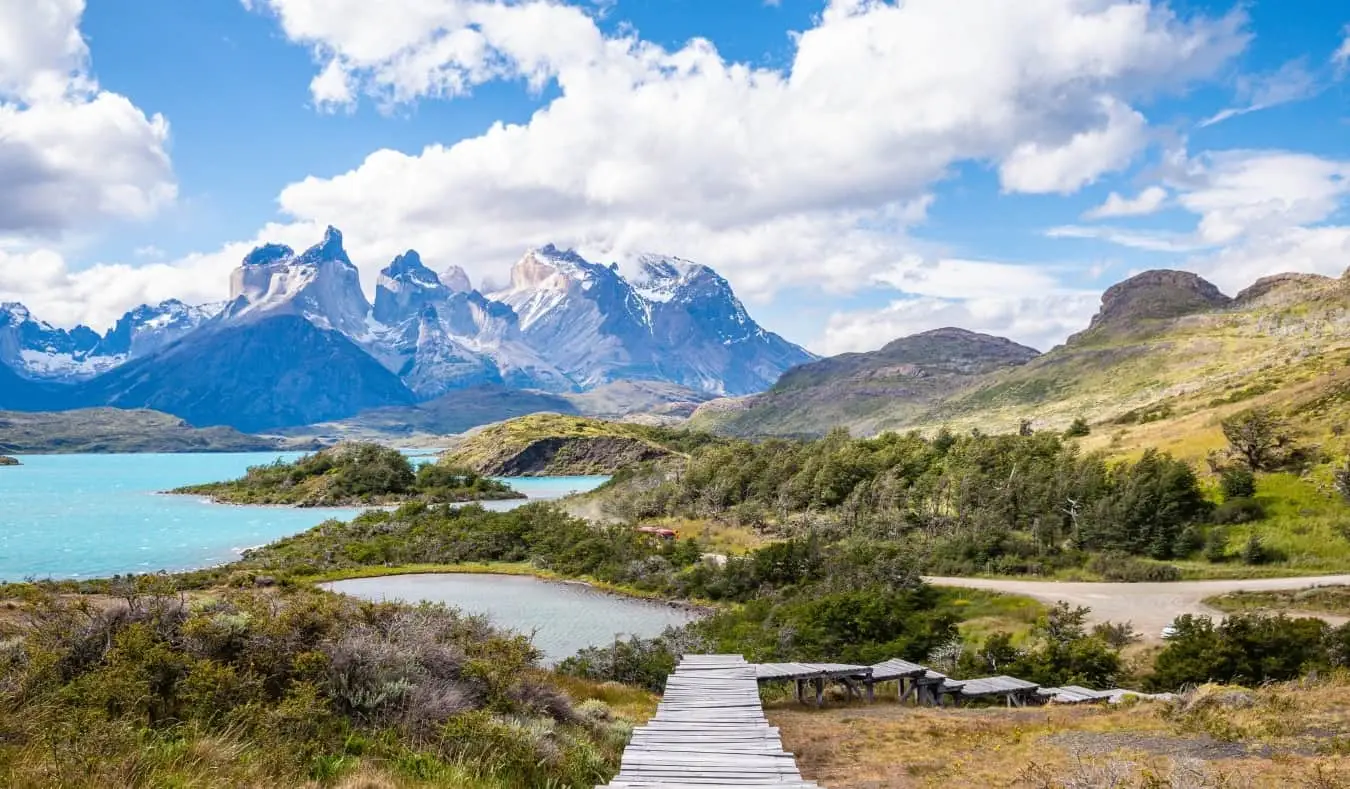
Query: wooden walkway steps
x=709, y=732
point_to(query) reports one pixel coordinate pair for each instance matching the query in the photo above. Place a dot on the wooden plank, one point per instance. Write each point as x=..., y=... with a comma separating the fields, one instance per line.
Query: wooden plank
x=709, y=732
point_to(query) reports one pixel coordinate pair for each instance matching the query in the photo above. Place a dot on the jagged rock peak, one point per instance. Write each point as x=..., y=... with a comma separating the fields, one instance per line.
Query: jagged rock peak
x=1153, y=295
x=267, y=254
x=329, y=249
x=540, y=264
x=408, y=267
x=456, y=279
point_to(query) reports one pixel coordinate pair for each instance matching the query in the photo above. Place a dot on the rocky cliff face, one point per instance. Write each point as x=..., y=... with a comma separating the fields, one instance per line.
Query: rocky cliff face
x=321, y=285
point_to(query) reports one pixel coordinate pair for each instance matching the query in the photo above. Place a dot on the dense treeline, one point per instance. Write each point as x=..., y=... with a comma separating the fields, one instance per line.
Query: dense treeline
x=1006, y=503
x=353, y=474
x=277, y=688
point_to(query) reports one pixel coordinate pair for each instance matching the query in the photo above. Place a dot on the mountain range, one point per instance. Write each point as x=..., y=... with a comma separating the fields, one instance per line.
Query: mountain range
x=298, y=342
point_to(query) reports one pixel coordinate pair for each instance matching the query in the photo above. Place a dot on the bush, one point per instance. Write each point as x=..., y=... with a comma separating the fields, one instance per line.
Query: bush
x=1236, y=511
x=1216, y=546
x=1078, y=428
x=1237, y=482
x=1245, y=649
x=1255, y=552
x=1119, y=567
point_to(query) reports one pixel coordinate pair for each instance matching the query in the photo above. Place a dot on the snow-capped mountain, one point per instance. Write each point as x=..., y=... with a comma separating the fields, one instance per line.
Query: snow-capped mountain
x=442, y=337
x=148, y=328
x=321, y=285
x=675, y=321
x=37, y=350
x=564, y=324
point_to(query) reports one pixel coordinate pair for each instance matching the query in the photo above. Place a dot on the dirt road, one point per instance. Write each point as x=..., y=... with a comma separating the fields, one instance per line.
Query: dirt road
x=1149, y=606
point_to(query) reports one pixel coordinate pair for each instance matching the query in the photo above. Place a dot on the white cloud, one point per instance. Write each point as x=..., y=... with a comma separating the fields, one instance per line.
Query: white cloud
x=1252, y=193
x=1238, y=196
x=1146, y=202
x=1150, y=240
x=1066, y=168
x=1317, y=250
x=975, y=279
x=71, y=154
x=98, y=295
x=1292, y=82
x=807, y=176
x=1340, y=59
x=1038, y=321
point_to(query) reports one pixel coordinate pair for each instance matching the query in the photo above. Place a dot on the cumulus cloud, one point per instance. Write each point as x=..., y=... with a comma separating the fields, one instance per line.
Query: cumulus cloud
x=809, y=176
x=98, y=295
x=806, y=176
x=71, y=154
x=1146, y=202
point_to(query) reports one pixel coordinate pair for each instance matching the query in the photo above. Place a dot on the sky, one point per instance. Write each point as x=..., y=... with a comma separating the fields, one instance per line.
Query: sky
x=859, y=170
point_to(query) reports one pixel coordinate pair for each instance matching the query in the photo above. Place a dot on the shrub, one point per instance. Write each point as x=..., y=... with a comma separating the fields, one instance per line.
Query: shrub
x=1119, y=567
x=1236, y=511
x=1237, y=482
x=1078, y=428
x=1255, y=552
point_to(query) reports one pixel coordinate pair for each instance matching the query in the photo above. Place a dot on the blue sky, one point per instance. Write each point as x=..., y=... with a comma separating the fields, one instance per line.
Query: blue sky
x=858, y=169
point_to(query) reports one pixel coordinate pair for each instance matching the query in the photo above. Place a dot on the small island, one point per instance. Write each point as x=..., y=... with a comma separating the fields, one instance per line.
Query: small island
x=353, y=474
x=6, y=460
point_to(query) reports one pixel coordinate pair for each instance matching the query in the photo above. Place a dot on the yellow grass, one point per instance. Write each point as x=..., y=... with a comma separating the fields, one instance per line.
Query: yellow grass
x=1288, y=736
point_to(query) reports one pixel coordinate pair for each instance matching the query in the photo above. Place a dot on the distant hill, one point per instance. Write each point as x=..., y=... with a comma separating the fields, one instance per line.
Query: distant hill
x=1165, y=359
x=118, y=430
x=560, y=445
x=867, y=392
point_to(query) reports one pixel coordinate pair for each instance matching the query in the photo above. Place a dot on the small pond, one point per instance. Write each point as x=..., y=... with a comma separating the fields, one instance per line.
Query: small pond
x=564, y=617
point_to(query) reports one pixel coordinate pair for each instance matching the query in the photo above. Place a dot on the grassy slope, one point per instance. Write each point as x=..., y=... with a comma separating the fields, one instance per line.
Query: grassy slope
x=1286, y=350
x=119, y=430
x=1288, y=735
x=349, y=475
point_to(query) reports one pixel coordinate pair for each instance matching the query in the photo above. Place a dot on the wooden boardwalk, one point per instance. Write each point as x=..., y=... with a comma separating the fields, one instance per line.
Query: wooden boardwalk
x=709, y=732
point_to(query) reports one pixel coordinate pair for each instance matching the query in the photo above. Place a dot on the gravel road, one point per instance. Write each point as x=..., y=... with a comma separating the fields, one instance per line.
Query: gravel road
x=1149, y=606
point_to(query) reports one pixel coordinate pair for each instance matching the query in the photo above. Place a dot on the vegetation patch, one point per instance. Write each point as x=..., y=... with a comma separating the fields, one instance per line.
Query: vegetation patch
x=558, y=445
x=1320, y=599
x=353, y=474
x=289, y=688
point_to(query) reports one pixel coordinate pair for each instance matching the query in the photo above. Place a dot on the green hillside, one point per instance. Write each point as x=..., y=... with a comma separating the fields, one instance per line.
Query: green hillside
x=561, y=445
x=1166, y=359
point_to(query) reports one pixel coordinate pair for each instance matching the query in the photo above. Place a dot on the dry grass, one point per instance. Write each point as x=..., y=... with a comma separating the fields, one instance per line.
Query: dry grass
x=1282, y=736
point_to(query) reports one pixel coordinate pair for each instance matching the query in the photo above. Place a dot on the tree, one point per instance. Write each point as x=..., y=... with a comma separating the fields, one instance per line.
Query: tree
x=1256, y=436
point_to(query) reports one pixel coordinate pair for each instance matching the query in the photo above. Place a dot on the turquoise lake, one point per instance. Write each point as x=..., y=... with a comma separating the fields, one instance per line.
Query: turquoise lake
x=88, y=516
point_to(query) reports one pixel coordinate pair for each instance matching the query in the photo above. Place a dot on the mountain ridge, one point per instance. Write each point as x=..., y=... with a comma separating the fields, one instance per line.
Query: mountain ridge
x=564, y=325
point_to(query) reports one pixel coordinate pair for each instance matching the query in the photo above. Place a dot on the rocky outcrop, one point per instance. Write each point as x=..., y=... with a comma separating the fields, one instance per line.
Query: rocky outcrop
x=1151, y=296
x=6, y=460
x=1280, y=287
x=567, y=457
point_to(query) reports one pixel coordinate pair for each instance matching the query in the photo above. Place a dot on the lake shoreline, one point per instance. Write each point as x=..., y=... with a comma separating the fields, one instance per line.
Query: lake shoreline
x=511, y=570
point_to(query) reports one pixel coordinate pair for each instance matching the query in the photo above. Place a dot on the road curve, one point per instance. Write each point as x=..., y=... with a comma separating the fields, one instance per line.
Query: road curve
x=1149, y=606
